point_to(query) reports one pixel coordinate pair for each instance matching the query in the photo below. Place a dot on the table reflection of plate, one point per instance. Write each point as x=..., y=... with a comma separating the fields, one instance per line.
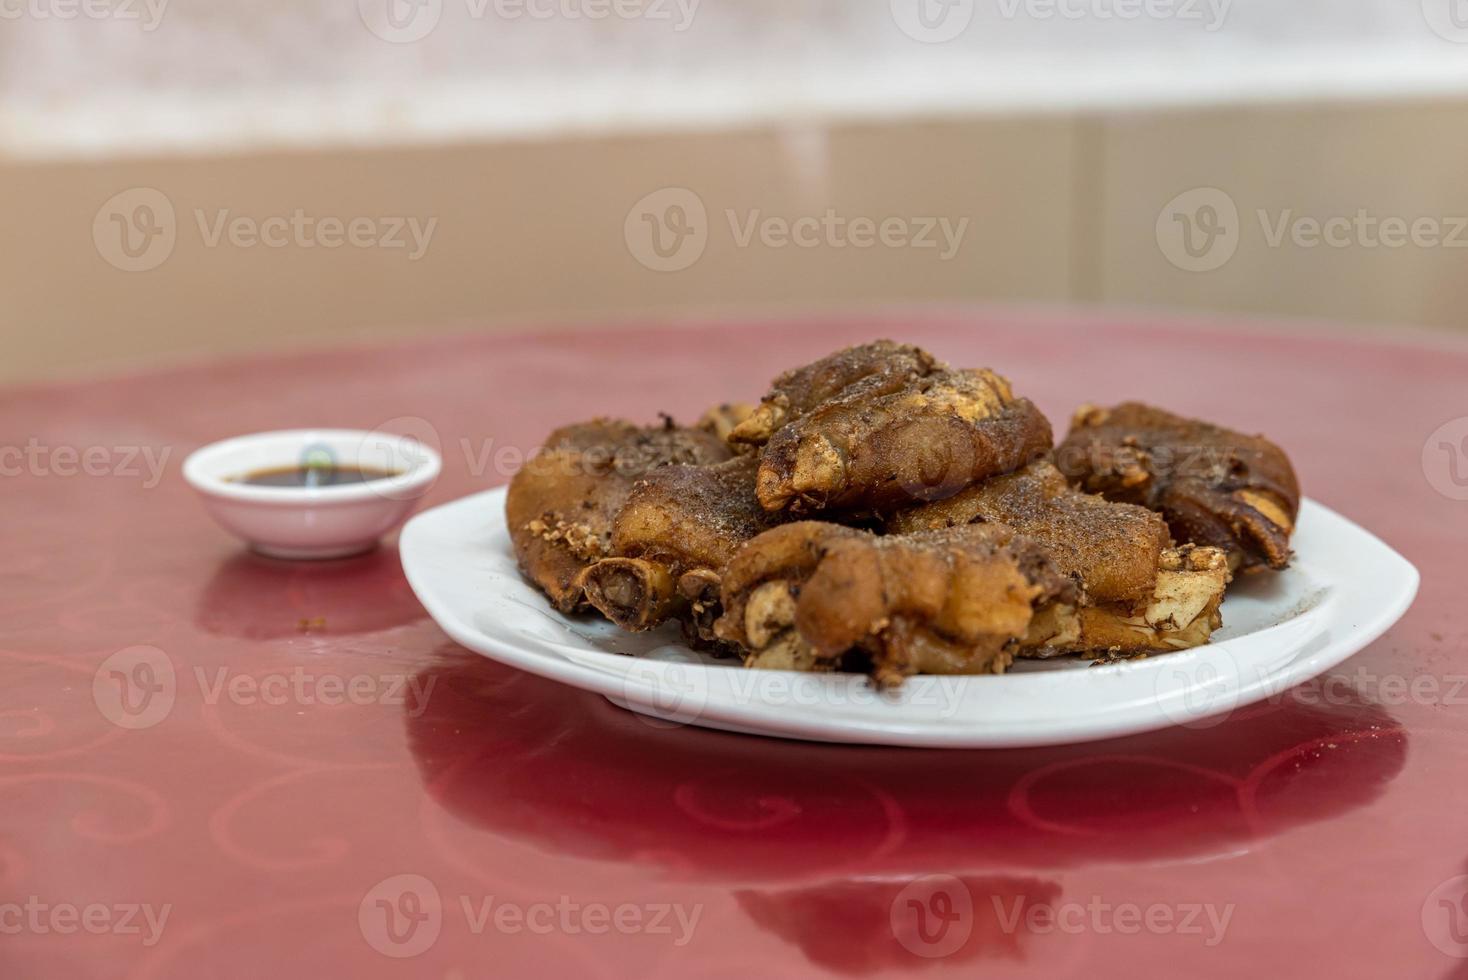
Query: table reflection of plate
x=1345, y=589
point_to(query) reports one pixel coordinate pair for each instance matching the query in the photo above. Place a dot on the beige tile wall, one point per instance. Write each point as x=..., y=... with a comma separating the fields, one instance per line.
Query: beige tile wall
x=1403, y=162
x=1060, y=209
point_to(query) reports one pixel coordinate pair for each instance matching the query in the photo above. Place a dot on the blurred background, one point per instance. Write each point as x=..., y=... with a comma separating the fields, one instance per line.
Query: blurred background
x=185, y=177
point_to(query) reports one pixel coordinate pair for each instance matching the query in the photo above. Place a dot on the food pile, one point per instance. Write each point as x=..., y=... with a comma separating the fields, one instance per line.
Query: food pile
x=881, y=512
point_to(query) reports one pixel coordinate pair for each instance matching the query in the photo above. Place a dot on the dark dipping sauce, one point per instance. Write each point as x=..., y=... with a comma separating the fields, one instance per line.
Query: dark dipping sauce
x=313, y=476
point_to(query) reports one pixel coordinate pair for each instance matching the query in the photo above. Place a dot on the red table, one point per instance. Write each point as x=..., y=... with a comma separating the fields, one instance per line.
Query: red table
x=328, y=783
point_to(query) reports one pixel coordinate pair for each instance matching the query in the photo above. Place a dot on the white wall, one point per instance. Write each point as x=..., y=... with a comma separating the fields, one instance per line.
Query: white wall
x=147, y=76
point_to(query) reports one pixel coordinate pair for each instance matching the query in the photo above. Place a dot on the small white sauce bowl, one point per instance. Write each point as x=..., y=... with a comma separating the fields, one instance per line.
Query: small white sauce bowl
x=312, y=522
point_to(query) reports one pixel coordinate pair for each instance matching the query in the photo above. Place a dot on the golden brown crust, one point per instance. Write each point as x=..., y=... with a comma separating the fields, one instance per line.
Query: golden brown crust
x=1111, y=549
x=875, y=448
x=818, y=596
x=1140, y=594
x=1214, y=486
x=883, y=364
x=989, y=553
x=691, y=516
x=561, y=504
x=676, y=521
x=1182, y=612
x=722, y=420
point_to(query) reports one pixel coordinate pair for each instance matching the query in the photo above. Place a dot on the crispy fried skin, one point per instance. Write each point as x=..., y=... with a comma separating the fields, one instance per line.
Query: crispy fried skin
x=873, y=448
x=1182, y=612
x=817, y=596
x=722, y=420
x=1112, y=549
x=1140, y=594
x=671, y=540
x=798, y=391
x=561, y=504
x=1214, y=486
x=990, y=551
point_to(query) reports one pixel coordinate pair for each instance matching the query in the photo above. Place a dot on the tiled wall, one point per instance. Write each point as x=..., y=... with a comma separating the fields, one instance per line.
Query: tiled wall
x=1379, y=170
x=1059, y=209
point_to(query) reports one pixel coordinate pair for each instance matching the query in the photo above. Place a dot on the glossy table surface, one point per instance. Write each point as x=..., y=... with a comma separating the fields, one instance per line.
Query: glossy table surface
x=216, y=765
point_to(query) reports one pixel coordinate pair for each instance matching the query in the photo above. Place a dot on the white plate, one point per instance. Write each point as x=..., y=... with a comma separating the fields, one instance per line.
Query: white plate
x=1343, y=591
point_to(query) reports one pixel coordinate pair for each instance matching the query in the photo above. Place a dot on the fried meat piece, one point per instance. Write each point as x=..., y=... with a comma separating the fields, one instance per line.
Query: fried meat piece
x=671, y=540
x=561, y=504
x=1214, y=486
x=815, y=596
x=876, y=448
x=798, y=391
x=1111, y=549
x=722, y=420
x=1139, y=593
x=1181, y=613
